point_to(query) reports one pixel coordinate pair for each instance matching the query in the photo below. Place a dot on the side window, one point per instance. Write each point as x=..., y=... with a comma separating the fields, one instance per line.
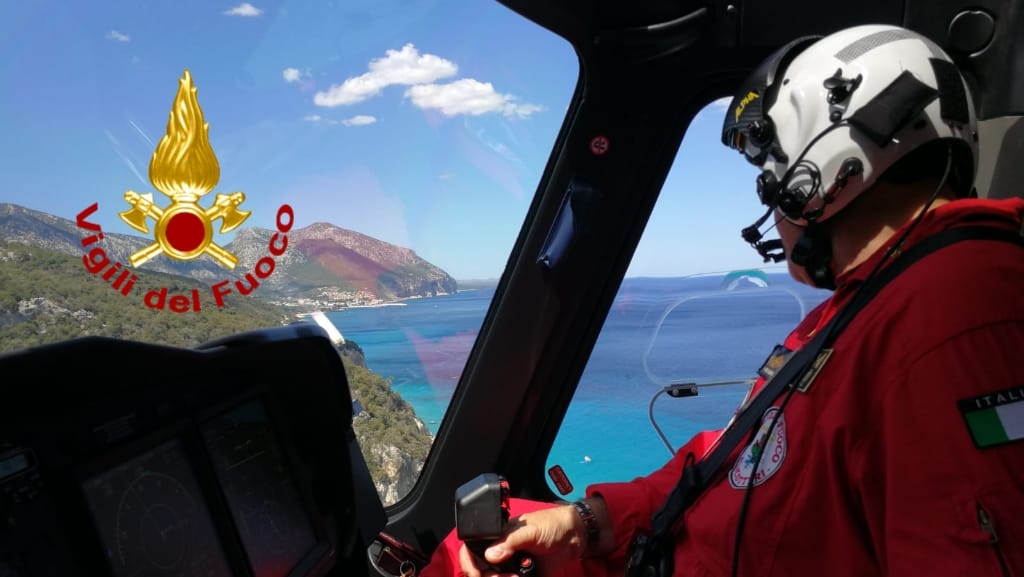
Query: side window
x=697, y=307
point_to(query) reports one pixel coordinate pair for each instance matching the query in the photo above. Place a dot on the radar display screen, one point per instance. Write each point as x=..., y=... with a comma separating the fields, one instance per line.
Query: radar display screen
x=152, y=518
x=250, y=465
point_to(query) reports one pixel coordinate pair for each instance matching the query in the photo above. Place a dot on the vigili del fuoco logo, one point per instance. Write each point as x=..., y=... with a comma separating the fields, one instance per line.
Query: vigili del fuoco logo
x=184, y=168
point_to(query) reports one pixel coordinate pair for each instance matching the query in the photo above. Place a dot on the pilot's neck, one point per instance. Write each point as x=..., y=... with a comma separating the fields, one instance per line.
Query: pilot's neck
x=869, y=222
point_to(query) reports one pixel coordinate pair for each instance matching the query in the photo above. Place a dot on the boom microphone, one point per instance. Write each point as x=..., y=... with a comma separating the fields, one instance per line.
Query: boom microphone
x=753, y=236
x=764, y=249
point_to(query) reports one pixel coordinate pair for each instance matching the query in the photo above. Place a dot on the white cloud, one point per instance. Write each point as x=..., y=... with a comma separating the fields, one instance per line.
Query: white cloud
x=445, y=176
x=359, y=120
x=405, y=67
x=420, y=72
x=118, y=36
x=302, y=78
x=468, y=96
x=244, y=9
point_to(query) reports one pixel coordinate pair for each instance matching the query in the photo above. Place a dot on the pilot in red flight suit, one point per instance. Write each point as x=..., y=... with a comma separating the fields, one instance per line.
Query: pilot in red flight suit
x=904, y=453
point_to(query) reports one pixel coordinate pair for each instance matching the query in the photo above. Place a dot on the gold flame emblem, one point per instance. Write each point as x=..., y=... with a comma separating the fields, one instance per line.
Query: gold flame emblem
x=185, y=168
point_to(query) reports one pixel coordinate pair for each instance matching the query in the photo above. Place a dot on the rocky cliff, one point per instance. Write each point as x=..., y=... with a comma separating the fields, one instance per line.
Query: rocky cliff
x=323, y=255
x=393, y=440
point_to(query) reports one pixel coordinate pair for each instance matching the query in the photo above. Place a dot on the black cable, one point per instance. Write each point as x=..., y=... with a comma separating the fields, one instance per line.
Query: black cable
x=750, y=482
x=809, y=170
x=942, y=184
x=800, y=162
x=679, y=390
x=744, y=507
x=755, y=235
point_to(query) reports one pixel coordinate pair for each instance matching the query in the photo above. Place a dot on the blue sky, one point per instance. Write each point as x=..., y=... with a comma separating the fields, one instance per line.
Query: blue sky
x=426, y=124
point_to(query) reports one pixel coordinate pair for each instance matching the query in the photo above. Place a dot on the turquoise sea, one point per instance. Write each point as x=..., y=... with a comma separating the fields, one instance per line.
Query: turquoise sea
x=660, y=331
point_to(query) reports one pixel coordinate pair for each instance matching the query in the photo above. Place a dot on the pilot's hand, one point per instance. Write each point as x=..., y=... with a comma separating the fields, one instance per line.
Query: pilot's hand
x=553, y=537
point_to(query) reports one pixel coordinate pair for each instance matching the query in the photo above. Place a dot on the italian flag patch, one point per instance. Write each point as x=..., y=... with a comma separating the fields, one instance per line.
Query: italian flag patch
x=996, y=418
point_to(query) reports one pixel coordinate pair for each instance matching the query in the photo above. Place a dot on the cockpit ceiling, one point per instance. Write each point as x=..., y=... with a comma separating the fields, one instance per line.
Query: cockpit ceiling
x=986, y=37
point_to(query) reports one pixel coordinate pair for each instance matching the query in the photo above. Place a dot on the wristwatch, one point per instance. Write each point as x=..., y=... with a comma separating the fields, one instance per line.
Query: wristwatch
x=589, y=521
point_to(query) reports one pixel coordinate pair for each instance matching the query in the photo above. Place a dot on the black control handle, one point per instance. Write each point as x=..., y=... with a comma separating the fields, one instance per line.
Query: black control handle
x=481, y=513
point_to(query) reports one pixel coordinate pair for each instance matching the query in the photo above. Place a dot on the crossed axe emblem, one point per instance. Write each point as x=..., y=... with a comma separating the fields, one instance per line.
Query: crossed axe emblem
x=177, y=226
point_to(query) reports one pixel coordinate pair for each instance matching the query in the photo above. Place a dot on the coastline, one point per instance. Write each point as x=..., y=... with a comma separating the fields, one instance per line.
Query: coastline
x=339, y=307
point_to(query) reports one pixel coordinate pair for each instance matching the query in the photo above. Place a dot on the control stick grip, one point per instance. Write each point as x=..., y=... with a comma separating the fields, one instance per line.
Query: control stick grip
x=481, y=513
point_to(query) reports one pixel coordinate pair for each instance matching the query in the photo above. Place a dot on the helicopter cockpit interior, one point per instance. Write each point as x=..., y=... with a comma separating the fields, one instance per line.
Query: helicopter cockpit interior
x=238, y=457
x=133, y=459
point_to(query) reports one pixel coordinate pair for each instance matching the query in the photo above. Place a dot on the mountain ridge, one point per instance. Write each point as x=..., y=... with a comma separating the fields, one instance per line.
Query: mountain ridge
x=323, y=264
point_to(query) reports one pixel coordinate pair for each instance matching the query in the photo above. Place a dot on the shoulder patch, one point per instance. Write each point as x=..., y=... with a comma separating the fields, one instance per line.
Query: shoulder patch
x=812, y=372
x=773, y=446
x=996, y=418
x=774, y=362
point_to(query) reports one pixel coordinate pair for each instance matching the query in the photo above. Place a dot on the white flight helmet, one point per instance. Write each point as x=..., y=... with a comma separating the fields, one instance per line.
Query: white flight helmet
x=826, y=117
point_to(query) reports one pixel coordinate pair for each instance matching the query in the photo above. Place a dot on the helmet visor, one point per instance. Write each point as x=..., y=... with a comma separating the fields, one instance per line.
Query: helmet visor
x=750, y=140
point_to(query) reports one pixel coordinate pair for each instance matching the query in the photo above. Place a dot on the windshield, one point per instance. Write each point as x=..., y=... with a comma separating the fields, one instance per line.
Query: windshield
x=181, y=171
x=177, y=172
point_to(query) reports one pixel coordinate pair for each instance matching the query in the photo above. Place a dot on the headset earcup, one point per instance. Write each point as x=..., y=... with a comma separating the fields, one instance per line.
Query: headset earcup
x=767, y=188
x=792, y=202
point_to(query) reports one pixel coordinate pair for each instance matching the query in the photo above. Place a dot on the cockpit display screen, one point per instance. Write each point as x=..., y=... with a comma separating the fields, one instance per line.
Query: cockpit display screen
x=253, y=474
x=152, y=517
x=14, y=464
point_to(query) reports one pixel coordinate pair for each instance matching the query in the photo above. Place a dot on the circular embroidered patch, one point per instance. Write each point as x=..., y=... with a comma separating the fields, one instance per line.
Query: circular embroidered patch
x=774, y=448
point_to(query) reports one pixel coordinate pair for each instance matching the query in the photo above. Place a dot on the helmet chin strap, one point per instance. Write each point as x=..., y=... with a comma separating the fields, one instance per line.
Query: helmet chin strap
x=813, y=251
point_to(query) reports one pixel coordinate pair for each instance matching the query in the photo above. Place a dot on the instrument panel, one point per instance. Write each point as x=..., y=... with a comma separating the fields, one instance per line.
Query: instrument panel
x=123, y=459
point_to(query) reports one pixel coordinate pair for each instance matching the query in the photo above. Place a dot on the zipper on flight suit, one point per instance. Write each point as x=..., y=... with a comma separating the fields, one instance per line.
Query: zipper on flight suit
x=985, y=521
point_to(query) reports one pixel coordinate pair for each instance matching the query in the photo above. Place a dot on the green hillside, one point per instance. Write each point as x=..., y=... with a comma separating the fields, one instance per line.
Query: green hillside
x=47, y=296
